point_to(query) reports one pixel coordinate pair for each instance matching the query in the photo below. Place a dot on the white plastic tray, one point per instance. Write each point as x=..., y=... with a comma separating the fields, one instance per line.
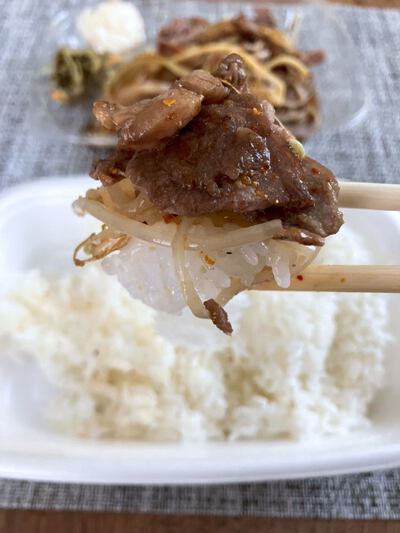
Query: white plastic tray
x=37, y=228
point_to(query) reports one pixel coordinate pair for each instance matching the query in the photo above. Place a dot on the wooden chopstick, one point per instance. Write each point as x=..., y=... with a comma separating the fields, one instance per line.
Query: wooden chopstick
x=342, y=278
x=369, y=195
x=351, y=278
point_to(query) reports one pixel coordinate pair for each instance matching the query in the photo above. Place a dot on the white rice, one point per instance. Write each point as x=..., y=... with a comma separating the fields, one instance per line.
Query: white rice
x=297, y=366
x=148, y=271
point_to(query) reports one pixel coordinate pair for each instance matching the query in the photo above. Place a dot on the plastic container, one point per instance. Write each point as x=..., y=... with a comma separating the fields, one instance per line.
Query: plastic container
x=30, y=449
x=339, y=80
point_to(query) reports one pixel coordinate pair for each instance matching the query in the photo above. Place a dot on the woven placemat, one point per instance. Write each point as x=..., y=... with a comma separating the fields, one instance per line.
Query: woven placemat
x=362, y=496
x=368, y=151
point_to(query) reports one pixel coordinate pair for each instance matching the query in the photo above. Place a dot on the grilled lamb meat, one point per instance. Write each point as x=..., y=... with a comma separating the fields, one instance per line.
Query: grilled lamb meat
x=209, y=146
x=179, y=32
x=219, y=316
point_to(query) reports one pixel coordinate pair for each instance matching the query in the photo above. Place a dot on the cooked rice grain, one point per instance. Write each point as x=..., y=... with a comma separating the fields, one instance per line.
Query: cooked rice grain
x=298, y=365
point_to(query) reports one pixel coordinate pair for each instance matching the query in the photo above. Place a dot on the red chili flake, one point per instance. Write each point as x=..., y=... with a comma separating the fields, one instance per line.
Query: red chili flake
x=168, y=218
x=209, y=260
x=300, y=277
x=314, y=170
x=169, y=101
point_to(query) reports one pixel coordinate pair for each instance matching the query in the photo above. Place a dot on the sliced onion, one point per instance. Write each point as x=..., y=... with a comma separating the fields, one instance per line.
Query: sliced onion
x=124, y=224
x=285, y=61
x=225, y=295
x=189, y=292
x=238, y=237
x=164, y=234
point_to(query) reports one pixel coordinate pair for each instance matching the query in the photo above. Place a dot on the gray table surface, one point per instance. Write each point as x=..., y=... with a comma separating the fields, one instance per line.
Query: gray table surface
x=368, y=151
